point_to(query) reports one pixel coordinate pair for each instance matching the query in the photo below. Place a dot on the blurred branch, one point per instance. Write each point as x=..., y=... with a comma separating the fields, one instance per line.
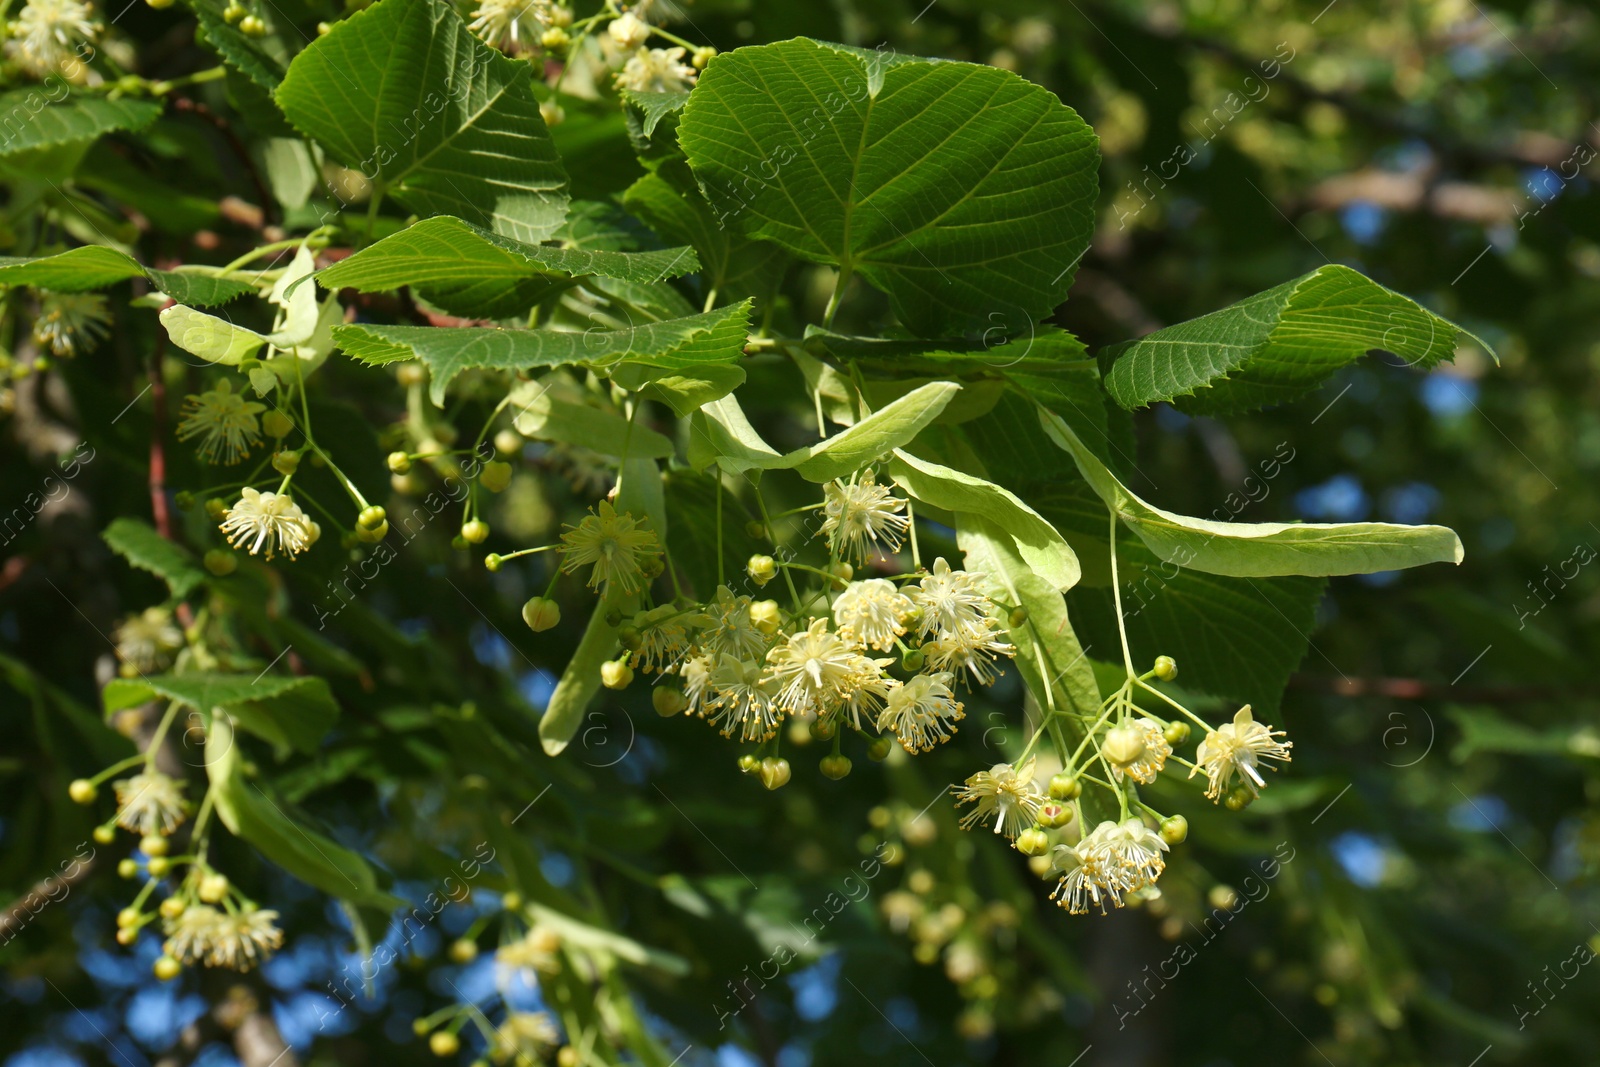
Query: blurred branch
x=1416, y=689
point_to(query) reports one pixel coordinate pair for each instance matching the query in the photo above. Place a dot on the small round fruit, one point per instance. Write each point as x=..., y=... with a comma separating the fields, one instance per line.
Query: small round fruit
x=541, y=614
x=616, y=674
x=444, y=1043
x=1166, y=668
x=475, y=532
x=220, y=562
x=1176, y=733
x=879, y=750
x=667, y=701
x=399, y=463
x=166, y=968
x=1238, y=798
x=496, y=475
x=286, y=462
x=1064, y=786
x=775, y=772
x=153, y=845
x=128, y=868
x=82, y=791
x=463, y=950
x=761, y=569
x=1174, y=828
x=1033, y=842
x=835, y=767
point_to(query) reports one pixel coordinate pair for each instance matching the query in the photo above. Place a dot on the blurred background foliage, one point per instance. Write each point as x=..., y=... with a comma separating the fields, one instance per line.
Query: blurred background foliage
x=1443, y=809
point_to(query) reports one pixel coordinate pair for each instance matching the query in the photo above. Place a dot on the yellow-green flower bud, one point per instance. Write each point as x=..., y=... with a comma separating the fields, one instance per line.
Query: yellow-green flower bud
x=616, y=674
x=541, y=614
x=761, y=569
x=1166, y=668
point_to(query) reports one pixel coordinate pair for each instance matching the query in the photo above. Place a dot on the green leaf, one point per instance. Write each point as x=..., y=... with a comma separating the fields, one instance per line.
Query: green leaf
x=545, y=414
x=261, y=59
x=1049, y=656
x=32, y=120
x=146, y=549
x=669, y=202
x=465, y=268
x=1258, y=549
x=1278, y=345
x=655, y=106
x=449, y=126
x=721, y=434
x=1037, y=542
x=79, y=270
x=211, y=338
x=962, y=191
x=293, y=712
x=659, y=346
x=251, y=814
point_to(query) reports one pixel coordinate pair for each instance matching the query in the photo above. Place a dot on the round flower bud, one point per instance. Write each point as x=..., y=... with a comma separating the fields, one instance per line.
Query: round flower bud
x=748, y=763
x=1018, y=617
x=1174, y=828
x=286, y=462
x=878, y=751
x=82, y=791
x=220, y=562
x=1176, y=733
x=835, y=767
x=1054, y=814
x=409, y=374
x=616, y=674
x=1033, y=842
x=128, y=936
x=756, y=529
x=667, y=701
x=420, y=1027
x=216, y=508
x=775, y=772
x=492, y=561
x=159, y=5
x=128, y=868
x=127, y=917
x=613, y=618
x=824, y=729
x=233, y=13
x=629, y=31
x=511, y=901
x=1166, y=668
x=552, y=113
x=444, y=1043
x=372, y=535
x=172, y=907
x=213, y=887
x=277, y=424
x=568, y=1057
x=841, y=571
x=153, y=845
x=458, y=543
x=630, y=638
x=766, y=616
x=555, y=38
x=1238, y=798
x=541, y=614
x=913, y=659
x=761, y=569
x=371, y=517
x=702, y=56
x=324, y=28
x=476, y=532
x=251, y=26
x=496, y=475
x=158, y=865
x=652, y=567
x=166, y=968
x=463, y=950
x=508, y=442
x=313, y=531
x=104, y=835
x=1123, y=745
x=1064, y=786
x=399, y=463
x=183, y=499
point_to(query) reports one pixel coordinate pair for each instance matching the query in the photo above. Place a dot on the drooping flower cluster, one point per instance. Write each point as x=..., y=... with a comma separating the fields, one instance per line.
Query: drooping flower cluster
x=1112, y=860
x=150, y=803
x=518, y=23
x=146, y=641
x=51, y=37
x=1238, y=747
x=70, y=323
x=862, y=518
x=236, y=938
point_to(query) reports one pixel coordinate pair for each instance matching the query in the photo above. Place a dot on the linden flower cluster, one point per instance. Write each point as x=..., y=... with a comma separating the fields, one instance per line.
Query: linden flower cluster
x=51, y=36
x=1122, y=747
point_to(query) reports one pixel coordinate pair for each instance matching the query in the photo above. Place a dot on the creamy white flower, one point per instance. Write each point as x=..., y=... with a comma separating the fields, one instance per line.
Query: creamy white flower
x=150, y=803
x=1005, y=794
x=922, y=712
x=224, y=421
x=976, y=649
x=696, y=675
x=861, y=515
x=536, y=950
x=1147, y=765
x=742, y=699
x=629, y=31
x=872, y=612
x=524, y=1038
x=239, y=940
x=1238, y=747
x=867, y=690
x=1114, y=859
x=47, y=36
x=657, y=70
x=812, y=669
x=495, y=21
x=950, y=602
x=270, y=520
x=146, y=642
x=663, y=638
x=728, y=627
